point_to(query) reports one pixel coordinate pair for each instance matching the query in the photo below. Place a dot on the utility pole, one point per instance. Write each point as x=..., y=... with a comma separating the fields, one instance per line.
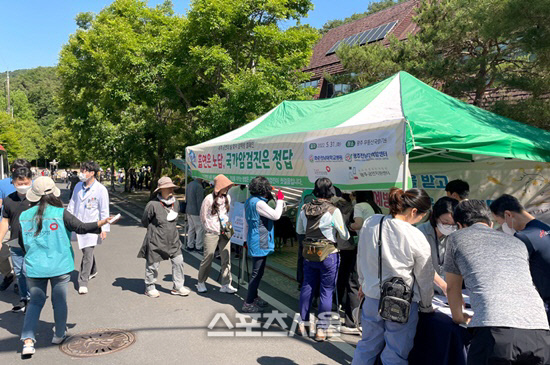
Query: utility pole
x=8, y=93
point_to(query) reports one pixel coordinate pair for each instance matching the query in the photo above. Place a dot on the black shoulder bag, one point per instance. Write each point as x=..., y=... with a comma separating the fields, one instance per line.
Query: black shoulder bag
x=395, y=294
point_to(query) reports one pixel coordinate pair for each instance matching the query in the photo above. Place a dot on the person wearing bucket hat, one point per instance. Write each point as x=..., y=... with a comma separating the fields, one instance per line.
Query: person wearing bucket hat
x=89, y=203
x=162, y=240
x=214, y=218
x=44, y=236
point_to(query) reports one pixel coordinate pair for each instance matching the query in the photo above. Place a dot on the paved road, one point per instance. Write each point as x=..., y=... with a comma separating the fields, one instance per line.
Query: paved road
x=169, y=329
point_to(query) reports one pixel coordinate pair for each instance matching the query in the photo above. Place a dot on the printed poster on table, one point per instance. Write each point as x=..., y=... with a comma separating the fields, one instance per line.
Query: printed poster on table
x=238, y=220
x=366, y=157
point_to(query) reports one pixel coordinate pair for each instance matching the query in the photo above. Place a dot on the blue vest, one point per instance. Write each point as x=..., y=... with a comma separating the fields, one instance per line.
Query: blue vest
x=50, y=253
x=261, y=235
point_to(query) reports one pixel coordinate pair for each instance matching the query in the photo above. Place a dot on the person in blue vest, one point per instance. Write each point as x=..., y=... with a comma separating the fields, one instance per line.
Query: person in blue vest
x=44, y=236
x=260, y=238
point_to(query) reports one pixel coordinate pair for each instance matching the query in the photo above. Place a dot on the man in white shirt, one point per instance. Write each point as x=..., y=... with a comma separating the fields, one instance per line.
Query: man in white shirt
x=89, y=203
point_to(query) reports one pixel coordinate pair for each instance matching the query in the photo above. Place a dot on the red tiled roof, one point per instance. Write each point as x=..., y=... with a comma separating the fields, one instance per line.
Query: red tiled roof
x=321, y=63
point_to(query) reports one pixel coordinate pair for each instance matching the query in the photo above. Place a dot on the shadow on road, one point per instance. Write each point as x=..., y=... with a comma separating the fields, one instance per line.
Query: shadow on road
x=13, y=323
x=275, y=360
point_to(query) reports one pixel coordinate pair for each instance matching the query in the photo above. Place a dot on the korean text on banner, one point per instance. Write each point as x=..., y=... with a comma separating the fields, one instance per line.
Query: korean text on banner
x=238, y=221
x=365, y=157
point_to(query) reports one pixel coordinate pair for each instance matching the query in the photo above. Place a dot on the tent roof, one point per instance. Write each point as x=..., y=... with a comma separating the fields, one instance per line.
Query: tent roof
x=436, y=121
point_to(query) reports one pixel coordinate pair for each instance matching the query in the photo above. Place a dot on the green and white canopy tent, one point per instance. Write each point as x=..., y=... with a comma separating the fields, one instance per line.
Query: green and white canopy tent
x=364, y=140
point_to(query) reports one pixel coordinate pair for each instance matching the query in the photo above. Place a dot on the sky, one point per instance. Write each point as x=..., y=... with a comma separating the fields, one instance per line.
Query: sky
x=32, y=32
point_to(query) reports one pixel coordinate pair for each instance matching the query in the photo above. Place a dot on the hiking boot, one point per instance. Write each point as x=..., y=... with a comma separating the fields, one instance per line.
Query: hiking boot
x=260, y=302
x=250, y=308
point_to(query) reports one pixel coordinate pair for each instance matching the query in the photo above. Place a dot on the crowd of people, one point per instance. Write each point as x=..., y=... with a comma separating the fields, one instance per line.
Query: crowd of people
x=386, y=267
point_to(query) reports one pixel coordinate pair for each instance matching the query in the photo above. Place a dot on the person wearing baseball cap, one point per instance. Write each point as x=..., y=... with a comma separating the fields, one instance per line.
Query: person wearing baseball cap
x=162, y=240
x=214, y=216
x=49, y=257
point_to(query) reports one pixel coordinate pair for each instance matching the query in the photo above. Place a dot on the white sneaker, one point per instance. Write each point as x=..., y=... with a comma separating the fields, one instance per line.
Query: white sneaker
x=93, y=275
x=28, y=349
x=228, y=289
x=58, y=340
x=83, y=290
x=201, y=287
x=153, y=293
x=183, y=291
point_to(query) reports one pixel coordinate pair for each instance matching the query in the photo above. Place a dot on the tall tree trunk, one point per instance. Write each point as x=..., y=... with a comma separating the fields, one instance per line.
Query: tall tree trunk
x=157, y=166
x=126, y=170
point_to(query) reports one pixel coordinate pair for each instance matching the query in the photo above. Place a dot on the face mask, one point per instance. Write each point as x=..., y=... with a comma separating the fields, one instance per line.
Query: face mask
x=171, y=216
x=507, y=229
x=82, y=177
x=171, y=200
x=446, y=229
x=23, y=189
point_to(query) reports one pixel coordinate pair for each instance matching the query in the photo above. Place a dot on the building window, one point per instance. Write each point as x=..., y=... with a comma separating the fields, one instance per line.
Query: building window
x=314, y=84
x=335, y=90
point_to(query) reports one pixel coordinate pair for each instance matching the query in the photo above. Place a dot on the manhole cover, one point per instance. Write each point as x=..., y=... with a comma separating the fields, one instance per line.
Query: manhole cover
x=98, y=342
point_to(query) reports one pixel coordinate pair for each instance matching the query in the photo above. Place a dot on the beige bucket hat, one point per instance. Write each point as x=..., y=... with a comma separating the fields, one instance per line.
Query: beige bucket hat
x=164, y=183
x=43, y=185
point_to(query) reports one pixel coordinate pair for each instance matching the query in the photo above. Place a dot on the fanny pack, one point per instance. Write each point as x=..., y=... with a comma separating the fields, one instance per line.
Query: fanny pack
x=395, y=295
x=317, y=251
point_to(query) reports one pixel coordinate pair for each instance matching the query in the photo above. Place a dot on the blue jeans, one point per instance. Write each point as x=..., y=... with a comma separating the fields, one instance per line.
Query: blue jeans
x=18, y=261
x=321, y=275
x=37, y=288
x=394, y=340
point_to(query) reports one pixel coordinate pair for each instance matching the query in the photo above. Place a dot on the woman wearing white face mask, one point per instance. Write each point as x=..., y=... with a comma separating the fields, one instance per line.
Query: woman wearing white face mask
x=436, y=230
x=162, y=241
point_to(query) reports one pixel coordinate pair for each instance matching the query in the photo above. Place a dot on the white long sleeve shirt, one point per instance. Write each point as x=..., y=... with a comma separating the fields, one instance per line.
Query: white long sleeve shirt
x=266, y=211
x=405, y=253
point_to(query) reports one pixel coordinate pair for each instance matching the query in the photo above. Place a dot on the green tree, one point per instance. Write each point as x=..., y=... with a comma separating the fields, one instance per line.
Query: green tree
x=28, y=133
x=116, y=97
x=234, y=62
x=9, y=137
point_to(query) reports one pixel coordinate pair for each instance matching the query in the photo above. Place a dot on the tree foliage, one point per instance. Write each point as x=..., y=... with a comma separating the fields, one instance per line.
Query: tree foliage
x=234, y=63
x=139, y=83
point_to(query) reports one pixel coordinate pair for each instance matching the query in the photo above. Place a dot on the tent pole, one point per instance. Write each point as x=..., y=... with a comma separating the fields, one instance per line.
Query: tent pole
x=185, y=229
x=405, y=169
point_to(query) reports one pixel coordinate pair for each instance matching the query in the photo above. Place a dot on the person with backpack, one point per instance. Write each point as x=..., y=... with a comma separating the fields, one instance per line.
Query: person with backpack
x=321, y=223
x=396, y=276
x=44, y=236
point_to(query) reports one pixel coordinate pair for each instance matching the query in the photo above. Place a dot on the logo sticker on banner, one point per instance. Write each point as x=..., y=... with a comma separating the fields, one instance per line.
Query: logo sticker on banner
x=363, y=157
